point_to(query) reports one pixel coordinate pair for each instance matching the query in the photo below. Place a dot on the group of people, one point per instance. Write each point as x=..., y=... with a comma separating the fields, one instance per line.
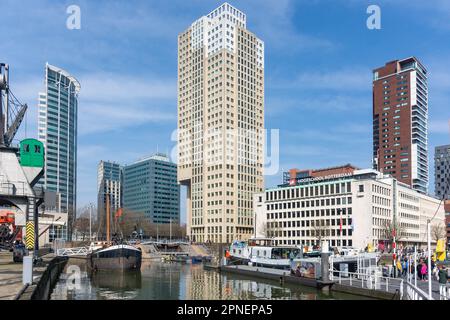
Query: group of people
x=405, y=266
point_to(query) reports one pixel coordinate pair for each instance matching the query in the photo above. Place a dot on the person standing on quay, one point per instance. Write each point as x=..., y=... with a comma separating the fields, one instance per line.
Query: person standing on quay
x=443, y=282
x=423, y=271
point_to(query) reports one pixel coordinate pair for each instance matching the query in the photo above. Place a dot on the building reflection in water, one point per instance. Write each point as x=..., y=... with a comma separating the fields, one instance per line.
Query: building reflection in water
x=174, y=281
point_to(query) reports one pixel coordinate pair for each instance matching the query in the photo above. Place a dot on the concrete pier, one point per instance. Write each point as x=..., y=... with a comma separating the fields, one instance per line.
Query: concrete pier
x=11, y=285
x=10, y=276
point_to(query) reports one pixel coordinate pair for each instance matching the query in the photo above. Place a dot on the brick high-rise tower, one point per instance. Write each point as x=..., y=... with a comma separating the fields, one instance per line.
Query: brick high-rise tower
x=220, y=122
x=400, y=122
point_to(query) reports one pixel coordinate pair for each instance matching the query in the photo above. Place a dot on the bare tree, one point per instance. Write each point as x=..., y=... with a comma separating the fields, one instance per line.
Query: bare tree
x=131, y=221
x=319, y=229
x=438, y=231
x=264, y=229
x=81, y=226
x=273, y=229
x=389, y=229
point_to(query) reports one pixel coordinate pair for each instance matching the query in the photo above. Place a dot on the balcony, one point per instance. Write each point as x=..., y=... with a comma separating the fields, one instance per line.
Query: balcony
x=8, y=188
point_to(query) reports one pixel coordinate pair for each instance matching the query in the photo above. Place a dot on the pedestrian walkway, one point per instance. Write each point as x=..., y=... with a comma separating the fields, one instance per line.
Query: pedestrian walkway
x=394, y=286
x=10, y=276
x=423, y=285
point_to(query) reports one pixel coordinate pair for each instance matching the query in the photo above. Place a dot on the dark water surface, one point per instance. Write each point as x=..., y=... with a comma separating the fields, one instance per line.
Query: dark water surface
x=173, y=281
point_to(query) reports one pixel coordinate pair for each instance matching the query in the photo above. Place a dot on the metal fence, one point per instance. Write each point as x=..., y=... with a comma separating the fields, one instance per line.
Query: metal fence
x=67, y=252
x=369, y=275
x=415, y=293
x=370, y=280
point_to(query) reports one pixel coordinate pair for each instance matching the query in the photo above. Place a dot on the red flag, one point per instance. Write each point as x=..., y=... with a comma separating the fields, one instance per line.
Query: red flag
x=119, y=213
x=340, y=225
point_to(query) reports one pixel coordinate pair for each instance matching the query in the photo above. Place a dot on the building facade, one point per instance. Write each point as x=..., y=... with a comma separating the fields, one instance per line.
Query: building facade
x=351, y=208
x=57, y=125
x=109, y=183
x=447, y=221
x=150, y=188
x=442, y=172
x=220, y=124
x=400, y=122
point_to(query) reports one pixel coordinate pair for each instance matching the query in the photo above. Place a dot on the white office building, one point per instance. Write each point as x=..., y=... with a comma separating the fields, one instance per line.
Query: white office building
x=353, y=208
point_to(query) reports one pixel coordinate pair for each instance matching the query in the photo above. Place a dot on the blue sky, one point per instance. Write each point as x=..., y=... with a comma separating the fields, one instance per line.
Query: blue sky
x=319, y=58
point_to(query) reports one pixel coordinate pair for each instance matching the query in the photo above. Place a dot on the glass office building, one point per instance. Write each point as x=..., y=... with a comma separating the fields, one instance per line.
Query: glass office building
x=57, y=118
x=109, y=182
x=150, y=187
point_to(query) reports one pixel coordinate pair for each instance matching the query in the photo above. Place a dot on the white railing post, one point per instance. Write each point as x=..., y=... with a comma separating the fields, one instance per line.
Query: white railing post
x=387, y=284
x=401, y=289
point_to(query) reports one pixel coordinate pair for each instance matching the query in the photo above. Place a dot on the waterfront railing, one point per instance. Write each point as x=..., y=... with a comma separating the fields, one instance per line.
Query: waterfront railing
x=370, y=281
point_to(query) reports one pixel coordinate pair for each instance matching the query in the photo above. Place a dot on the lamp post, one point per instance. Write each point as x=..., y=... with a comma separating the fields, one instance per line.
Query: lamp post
x=429, y=257
x=415, y=265
x=90, y=222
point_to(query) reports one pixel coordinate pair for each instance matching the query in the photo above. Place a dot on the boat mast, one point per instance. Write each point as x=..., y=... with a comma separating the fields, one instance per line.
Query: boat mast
x=107, y=219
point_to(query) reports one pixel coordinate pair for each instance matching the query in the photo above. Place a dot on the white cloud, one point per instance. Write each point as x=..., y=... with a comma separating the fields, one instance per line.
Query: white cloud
x=354, y=79
x=111, y=102
x=116, y=87
x=274, y=22
x=324, y=103
x=439, y=126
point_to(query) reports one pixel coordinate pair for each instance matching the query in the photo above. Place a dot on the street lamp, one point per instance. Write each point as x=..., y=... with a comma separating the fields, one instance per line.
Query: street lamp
x=90, y=221
x=429, y=257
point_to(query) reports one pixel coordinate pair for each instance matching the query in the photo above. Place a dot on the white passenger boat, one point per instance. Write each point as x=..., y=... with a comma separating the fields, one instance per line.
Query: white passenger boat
x=261, y=252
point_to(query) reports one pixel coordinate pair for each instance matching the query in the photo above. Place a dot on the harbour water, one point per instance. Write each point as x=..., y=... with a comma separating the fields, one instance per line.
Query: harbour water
x=174, y=281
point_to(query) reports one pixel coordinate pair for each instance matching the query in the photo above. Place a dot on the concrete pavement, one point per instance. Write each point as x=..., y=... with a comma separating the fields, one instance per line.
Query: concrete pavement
x=10, y=276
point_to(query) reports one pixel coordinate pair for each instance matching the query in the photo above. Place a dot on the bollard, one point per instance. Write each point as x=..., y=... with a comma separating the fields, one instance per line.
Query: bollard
x=325, y=268
x=325, y=263
x=27, y=272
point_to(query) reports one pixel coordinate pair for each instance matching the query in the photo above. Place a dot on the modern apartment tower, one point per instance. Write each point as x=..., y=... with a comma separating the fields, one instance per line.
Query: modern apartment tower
x=109, y=182
x=58, y=108
x=400, y=122
x=220, y=122
x=150, y=188
x=442, y=172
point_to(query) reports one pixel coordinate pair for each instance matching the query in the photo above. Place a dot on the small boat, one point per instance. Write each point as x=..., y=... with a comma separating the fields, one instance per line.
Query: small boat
x=207, y=259
x=197, y=259
x=115, y=257
x=120, y=257
x=261, y=252
x=179, y=258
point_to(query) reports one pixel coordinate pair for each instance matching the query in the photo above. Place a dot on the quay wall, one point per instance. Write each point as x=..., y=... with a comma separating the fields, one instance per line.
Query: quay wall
x=286, y=277
x=42, y=289
x=377, y=294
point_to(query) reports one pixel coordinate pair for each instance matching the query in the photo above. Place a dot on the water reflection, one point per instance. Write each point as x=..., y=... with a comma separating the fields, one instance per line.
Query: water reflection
x=173, y=281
